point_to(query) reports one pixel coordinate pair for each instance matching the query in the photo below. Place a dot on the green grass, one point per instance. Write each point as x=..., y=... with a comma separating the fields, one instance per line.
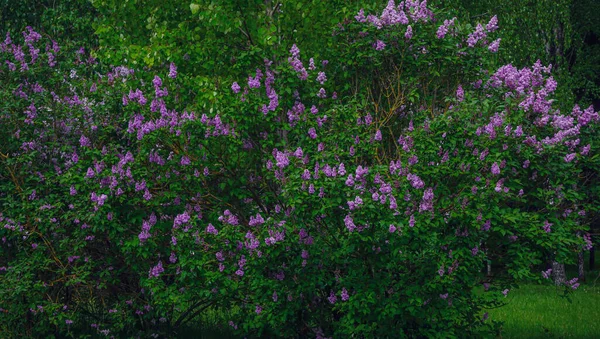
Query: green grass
x=539, y=311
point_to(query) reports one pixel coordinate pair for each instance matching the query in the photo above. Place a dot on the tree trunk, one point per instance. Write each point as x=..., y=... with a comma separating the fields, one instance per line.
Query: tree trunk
x=580, y=266
x=558, y=273
x=593, y=258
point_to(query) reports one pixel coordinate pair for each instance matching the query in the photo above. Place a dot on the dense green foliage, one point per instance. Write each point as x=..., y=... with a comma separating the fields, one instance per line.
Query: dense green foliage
x=67, y=21
x=354, y=183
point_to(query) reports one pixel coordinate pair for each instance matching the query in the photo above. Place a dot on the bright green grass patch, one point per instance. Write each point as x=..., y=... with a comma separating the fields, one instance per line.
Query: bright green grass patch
x=539, y=311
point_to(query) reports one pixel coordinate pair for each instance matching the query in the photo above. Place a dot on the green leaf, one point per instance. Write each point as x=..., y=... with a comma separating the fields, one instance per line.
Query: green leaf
x=194, y=8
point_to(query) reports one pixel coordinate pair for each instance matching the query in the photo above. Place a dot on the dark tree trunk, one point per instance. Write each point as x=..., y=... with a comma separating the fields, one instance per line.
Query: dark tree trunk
x=558, y=273
x=580, y=267
x=593, y=258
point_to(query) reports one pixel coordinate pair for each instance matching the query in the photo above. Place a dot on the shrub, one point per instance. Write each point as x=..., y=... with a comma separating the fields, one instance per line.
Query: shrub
x=366, y=212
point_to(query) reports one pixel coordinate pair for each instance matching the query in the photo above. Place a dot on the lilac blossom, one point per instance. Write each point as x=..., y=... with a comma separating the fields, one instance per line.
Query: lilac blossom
x=181, y=219
x=235, y=88
x=409, y=33
x=172, y=71
x=495, y=169
x=282, y=159
x=547, y=226
x=156, y=271
x=379, y=45
x=547, y=274
x=415, y=181
x=570, y=157
x=413, y=160
x=349, y=223
x=492, y=24
x=354, y=204
x=443, y=29
x=322, y=94
x=360, y=17
x=427, y=201
x=588, y=242
x=332, y=298
x=345, y=295
x=477, y=35
x=256, y=220
x=460, y=93
x=253, y=82
x=378, y=136
x=210, y=229
x=84, y=141
x=493, y=47
x=321, y=78
x=306, y=175
x=573, y=283
x=486, y=226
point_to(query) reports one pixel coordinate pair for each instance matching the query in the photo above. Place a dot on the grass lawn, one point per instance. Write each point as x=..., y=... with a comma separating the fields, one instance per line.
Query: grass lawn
x=539, y=311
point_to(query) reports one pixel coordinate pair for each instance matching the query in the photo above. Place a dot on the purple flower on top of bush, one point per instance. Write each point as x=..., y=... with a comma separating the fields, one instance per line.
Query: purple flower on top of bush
x=486, y=226
x=460, y=93
x=181, y=219
x=547, y=274
x=332, y=298
x=443, y=29
x=360, y=17
x=321, y=78
x=476, y=36
x=156, y=271
x=256, y=220
x=379, y=45
x=322, y=94
x=235, y=88
x=349, y=223
x=492, y=24
x=84, y=141
x=493, y=47
x=210, y=229
x=345, y=295
x=570, y=157
x=172, y=71
x=378, y=136
x=547, y=226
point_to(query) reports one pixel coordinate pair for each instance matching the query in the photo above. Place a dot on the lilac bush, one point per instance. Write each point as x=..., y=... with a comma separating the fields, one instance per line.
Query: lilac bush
x=359, y=196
